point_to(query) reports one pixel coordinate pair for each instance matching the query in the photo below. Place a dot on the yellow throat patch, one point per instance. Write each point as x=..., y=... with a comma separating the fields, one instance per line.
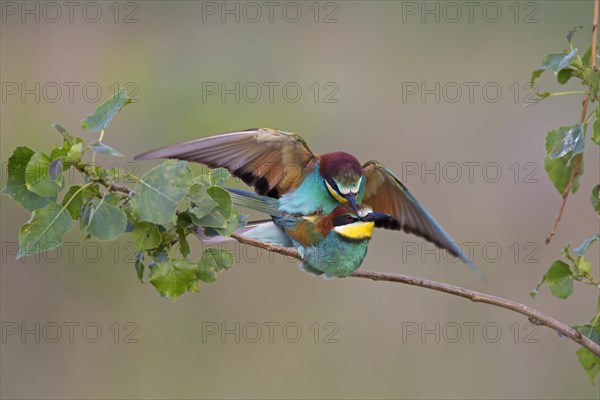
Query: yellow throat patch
x=335, y=194
x=357, y=230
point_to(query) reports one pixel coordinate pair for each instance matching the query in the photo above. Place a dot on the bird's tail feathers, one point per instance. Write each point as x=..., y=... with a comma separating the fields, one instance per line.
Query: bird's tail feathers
x=265, y=231
x=253, y=201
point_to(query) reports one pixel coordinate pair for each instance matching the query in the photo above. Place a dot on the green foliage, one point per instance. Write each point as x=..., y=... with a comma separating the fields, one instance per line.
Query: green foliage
x=38, y=178
x=160, y=190
x=564, y=165
x=167, y=205
x=99, y=119
x=174, y=277
x=595, y=198
x=554, y=63
x=16, y=185
x=106, y=221
x=588, y=360
x=562, y=145
x=101, y=148
x=44, y=230
x=560, y=279
x=146, y=236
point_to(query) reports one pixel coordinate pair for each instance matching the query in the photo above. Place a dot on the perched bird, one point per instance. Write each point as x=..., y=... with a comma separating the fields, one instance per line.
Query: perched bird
x=333, y=244
x=280, y=165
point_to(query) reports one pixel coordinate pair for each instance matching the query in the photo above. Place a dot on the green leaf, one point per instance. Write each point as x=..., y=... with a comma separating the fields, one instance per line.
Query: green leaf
x=206, y=274
x=534, y=75
x=231, y=225
x=586, y=243
x=565, y=140
x=99, y=147
x=553, y=63
x=184, y=245
x=73, y=201
x=160, y=191
x=139, y=265
x=590, y=363
x=173, y=277
x=68, y=138
x=564, y=75
x=218, y=176
x=219, y=216
x=60, y=152
x=106, y=221
x=38, y=179
x=216, y=259
x=560, y=279
x=55, y=169
x=559, y=169
x=105, y=112
x=75, y=153
x=587, y=56
x=203, y=180
x=583, y=266
x=16, y=186
x=556, y=62
x=596, y=198
x=200, y=201
x=146, y=236
x=212, y=262
x=44, y=230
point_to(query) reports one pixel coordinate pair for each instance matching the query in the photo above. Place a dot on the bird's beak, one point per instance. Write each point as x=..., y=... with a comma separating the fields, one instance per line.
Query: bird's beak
x=352, y=200
x=376, y=216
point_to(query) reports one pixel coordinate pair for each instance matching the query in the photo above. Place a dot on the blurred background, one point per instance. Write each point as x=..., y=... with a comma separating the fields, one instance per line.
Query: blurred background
x=434, y=90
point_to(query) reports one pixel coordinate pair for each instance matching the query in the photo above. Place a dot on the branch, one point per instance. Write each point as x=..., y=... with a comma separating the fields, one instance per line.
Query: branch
x=584, y=107
x=474, y=296
x=106, y=183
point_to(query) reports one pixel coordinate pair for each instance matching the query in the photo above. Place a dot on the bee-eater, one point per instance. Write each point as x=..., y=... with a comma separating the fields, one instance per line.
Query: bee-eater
x=333, y=244
x=279, y=164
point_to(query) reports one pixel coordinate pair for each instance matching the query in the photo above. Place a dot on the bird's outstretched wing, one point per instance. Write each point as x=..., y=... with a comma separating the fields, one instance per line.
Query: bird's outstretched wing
x=272, y=161
x=385, y=193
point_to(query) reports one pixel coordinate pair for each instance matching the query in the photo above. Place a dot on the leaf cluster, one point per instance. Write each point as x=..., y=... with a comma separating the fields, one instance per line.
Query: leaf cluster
x=168, y=205
x=564, y=165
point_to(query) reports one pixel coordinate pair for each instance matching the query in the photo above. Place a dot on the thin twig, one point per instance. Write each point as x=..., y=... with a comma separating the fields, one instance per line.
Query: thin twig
x=108, y=184
x=474, y=296
x=578, y=157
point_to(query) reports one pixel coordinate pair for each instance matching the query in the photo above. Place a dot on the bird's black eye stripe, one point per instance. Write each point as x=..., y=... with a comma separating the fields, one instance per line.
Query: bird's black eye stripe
x=332, y=183
x=344, y=220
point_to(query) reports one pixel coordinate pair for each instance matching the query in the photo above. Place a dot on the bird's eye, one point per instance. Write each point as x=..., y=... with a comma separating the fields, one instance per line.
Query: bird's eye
x=344, y=220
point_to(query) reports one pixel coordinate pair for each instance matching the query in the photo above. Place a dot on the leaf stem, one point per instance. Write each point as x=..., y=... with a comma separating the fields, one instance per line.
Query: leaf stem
x=75, y=194
x=99, y=141
x=567, y=93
